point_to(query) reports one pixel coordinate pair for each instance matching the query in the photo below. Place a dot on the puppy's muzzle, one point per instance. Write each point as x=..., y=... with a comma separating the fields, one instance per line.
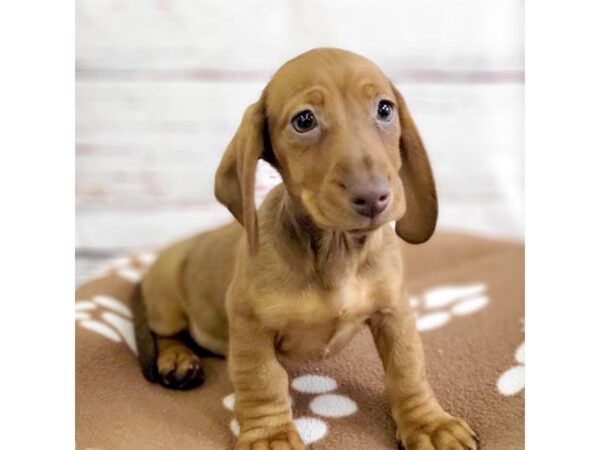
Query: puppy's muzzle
x=372, y=198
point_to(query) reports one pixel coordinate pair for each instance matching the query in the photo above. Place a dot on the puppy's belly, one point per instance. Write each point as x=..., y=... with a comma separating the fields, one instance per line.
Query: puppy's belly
x=302, y=343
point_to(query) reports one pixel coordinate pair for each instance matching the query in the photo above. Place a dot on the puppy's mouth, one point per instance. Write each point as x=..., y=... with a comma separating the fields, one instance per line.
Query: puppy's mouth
x=362, y=230
x=365, y=229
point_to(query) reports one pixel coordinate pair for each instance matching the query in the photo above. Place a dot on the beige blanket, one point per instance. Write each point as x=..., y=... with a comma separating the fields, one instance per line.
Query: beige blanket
x=467, y=293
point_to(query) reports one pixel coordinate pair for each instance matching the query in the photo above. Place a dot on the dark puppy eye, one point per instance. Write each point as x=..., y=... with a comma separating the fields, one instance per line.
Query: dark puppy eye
x=385, y=110
x=304, y=121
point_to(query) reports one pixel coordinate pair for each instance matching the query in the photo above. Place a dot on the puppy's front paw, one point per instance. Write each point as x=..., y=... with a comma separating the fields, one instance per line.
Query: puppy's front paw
x=281, y=438
x=440, y=433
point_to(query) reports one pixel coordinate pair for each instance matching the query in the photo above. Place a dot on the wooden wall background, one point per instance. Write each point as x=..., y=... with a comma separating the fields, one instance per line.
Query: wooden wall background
x=161, y=86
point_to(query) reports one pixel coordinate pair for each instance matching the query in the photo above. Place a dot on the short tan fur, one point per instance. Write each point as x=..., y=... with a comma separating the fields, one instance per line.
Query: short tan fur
x=316, y=263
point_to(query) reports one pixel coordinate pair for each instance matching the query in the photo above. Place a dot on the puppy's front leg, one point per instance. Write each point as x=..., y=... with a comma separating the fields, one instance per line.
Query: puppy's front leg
x=421, y=422
x=262, y=404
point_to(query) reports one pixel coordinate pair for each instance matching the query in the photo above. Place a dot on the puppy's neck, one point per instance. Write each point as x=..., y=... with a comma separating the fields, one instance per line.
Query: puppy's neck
x=328, y=254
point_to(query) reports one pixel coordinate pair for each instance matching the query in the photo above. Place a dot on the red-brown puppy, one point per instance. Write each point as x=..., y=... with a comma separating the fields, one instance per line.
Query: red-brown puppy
x=317, y=262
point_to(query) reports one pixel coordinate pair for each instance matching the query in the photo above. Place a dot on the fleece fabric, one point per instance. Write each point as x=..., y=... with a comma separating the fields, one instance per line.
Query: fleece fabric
x=467, y=293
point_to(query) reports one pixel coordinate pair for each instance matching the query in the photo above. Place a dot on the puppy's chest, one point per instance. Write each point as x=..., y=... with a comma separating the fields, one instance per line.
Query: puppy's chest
x=317, y=323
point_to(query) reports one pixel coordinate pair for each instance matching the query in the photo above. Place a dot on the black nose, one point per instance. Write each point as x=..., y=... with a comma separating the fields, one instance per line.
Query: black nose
x=371, y=199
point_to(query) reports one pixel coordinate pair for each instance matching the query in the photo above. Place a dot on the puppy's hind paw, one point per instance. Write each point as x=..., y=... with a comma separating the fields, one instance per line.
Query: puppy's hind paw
x=179, y=368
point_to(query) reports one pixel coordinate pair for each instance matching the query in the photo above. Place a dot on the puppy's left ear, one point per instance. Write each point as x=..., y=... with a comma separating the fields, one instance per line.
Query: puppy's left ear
x=418, y=223
x=235, y=177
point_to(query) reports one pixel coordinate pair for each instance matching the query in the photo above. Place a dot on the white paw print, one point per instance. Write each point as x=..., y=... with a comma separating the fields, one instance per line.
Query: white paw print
x=437, y=306
x=129, y=268
x=512, y=381
x=325, y=404
x=108, y=317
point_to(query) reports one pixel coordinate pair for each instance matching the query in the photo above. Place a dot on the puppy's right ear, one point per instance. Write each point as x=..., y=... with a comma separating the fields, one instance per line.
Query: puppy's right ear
x=235, y=177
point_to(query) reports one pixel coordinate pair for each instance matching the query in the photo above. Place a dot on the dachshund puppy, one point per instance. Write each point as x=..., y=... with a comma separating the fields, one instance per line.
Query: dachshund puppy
x=317, y=262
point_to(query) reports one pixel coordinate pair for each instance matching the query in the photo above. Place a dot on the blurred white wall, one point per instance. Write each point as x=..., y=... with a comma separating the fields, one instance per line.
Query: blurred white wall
x=172, y=35
x=161, y=86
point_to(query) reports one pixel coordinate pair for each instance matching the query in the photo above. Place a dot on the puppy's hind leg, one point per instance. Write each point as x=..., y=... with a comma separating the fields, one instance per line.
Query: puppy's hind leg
x=167, y=360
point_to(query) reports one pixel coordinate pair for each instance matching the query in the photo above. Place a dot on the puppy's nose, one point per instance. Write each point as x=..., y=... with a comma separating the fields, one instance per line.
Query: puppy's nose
x=371, y=199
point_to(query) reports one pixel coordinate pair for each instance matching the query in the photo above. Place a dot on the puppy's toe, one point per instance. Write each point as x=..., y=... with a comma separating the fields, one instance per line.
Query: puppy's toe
x=283, y=438
x=442, y=433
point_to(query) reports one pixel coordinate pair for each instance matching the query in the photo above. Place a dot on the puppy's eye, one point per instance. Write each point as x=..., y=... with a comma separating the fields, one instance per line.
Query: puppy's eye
x=304, y=121
x=385, y=110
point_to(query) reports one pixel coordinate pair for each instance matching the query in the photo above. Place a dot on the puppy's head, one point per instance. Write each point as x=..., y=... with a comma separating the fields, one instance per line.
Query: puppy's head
x=345, y=144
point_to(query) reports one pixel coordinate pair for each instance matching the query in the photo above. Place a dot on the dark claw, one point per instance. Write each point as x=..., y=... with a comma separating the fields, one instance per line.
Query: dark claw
x=400, y=446
x=193, y=378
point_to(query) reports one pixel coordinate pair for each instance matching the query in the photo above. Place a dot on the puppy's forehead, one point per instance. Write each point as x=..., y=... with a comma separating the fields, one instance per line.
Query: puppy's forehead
x=334, y=70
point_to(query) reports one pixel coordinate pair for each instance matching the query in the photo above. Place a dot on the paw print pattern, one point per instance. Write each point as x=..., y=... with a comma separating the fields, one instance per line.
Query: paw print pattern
x=325, y=404
x=108, y=317
x=437, y=306
x=512, y=381
x=129, y=268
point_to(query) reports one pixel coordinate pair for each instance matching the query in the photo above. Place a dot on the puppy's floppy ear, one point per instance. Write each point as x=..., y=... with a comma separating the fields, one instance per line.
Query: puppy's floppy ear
x=235, y=177
x=418, y=223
